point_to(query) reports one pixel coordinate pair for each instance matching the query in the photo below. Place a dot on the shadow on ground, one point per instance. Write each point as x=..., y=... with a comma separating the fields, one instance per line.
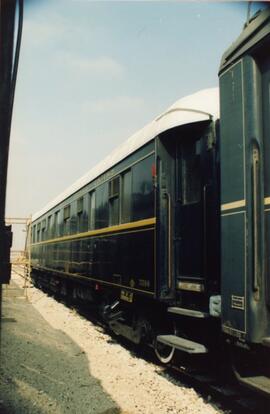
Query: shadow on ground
x=42, y=370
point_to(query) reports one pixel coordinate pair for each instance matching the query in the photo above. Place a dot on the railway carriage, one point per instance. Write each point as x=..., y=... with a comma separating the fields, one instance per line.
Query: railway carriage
x=245, y=188
x=140, y=232
x=169, y=235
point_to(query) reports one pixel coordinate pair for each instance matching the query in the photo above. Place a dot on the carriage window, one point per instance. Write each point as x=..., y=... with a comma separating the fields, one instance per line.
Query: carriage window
x=142, y=189
x=126, y=197
x=66, y=219
x=38, y=232
x=80, y=216
x=102, y=210
x=57, y=223
x=114, y=211
x=49, y=228
x=43, y=229
x=67, y=212
x=190, y=172
x=80, y=205
x=114, y=187
x=92, y=209
x=34, y=234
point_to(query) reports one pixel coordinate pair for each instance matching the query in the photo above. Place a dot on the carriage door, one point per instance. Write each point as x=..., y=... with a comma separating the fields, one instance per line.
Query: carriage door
x=187, y=202
x=189, y=217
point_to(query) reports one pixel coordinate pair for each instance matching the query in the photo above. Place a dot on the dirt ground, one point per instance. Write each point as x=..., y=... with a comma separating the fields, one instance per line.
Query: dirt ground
x=55, y=361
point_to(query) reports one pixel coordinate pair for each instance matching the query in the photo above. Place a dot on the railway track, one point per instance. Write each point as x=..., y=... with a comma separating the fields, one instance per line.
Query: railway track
x=231, y=397
x=227, y=395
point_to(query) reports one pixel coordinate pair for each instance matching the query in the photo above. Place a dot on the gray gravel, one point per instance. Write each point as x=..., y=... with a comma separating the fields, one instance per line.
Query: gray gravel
x=55, y=361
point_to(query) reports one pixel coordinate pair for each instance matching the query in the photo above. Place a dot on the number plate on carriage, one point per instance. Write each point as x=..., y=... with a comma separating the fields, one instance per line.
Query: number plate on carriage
x=126, y=295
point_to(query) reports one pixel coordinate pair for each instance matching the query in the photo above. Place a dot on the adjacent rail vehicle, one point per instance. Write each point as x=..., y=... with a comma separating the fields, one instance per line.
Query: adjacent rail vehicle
x=169, y=236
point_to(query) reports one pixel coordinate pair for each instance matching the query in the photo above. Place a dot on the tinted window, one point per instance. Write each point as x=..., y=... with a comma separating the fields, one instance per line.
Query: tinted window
x=57, y=223
x=142, y=189
x=126, y=197
x=114, y=187
x=80, y=215
x=114, y=210
x=49, y=228
x=38, y=232
x=92, y=209
x=66, y=226
x=102, y=210
x=80, y=205
x=67, y=212
x=43, y=229
x=34, y=234
x=80, y=222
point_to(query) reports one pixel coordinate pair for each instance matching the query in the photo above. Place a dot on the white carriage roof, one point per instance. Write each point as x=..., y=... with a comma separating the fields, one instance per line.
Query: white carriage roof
x=197, y=107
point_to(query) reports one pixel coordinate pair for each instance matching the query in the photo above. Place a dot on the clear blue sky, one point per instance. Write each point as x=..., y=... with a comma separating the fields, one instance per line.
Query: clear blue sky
x=92, y=73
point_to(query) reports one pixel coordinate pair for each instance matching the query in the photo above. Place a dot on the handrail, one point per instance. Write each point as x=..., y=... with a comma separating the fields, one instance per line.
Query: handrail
x=169, y=241
x=255, y=173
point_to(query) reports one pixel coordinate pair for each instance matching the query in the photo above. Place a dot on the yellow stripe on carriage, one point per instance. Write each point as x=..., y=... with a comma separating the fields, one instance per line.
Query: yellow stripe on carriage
x=233, y=205
x=112, y=229
x=240, y=203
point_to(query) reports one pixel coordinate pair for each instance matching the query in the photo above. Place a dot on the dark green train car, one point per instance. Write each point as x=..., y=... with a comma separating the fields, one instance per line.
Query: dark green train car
x=169, y=236
x=139, y=234
x=245, y=201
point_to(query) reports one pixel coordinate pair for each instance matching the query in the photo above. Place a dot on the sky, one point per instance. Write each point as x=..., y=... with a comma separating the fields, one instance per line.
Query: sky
x=92, y=73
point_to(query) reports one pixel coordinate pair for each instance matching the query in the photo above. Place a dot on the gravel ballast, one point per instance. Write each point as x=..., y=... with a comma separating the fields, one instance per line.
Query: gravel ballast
x=55, y=361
